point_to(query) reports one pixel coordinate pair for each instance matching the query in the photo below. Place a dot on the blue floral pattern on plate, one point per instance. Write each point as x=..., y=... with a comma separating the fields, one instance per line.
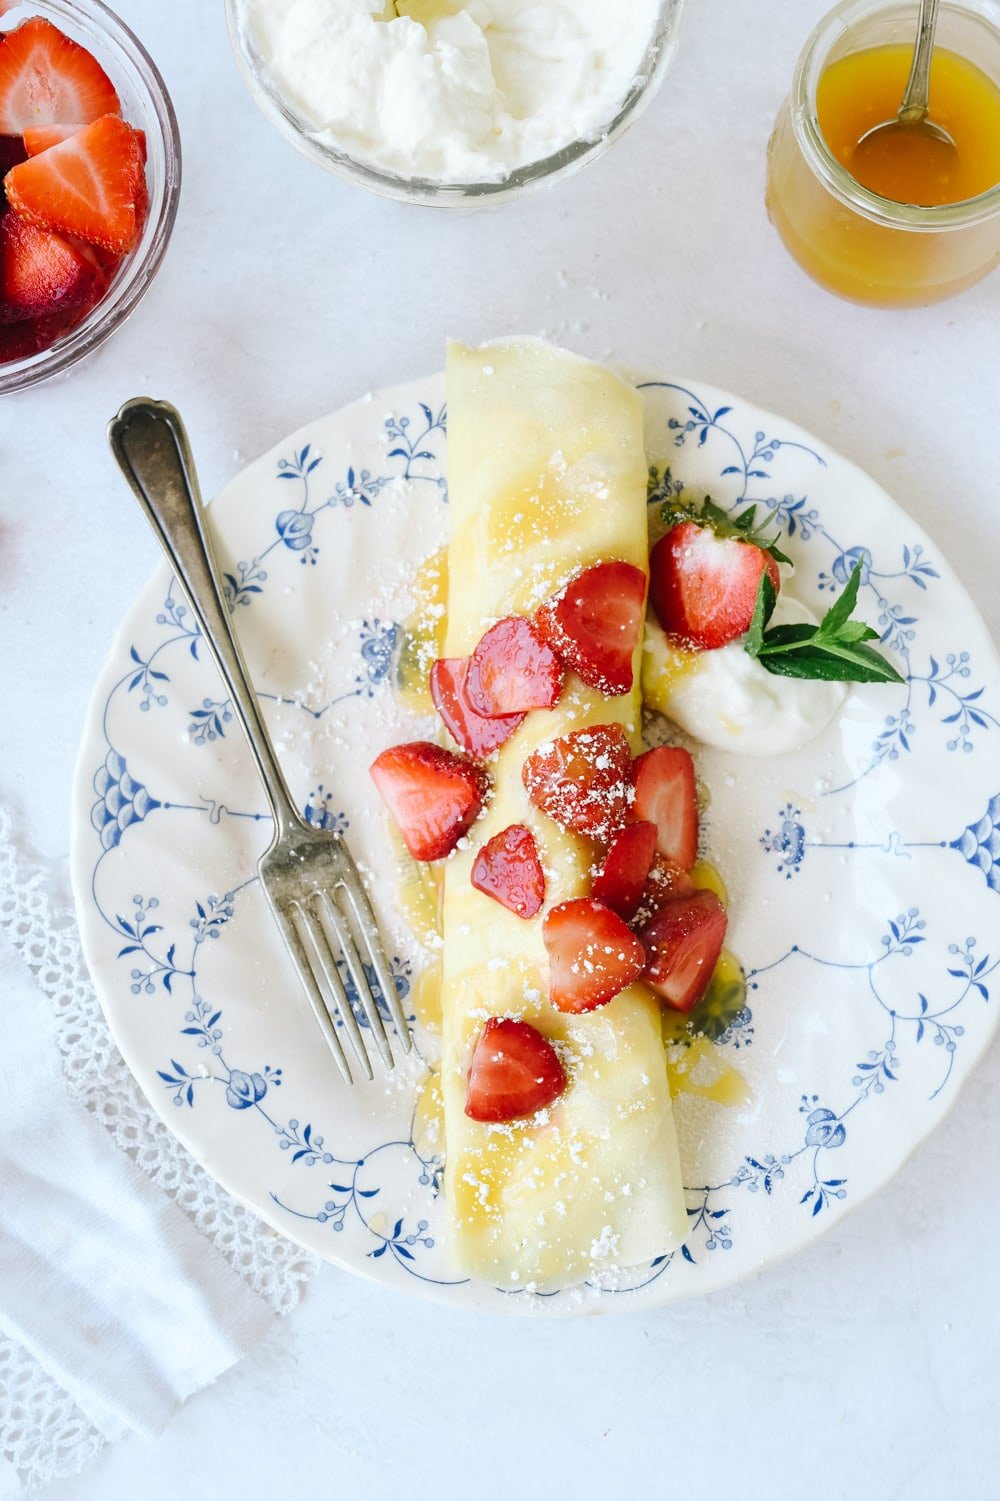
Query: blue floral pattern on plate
x=865, y=876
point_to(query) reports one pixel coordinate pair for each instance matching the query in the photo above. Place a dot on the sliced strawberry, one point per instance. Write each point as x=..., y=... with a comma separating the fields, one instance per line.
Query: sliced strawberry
x=432, y=794
x=665, y=881
x=515, y=1071
x=594, y=624
x=48, y=79
x=622, y=878
x=473, y=732
x=92, y=185
x=18, y=341
x=582, y=780
x=665, y=794
x=704, y=587
x=41, y=273
x=513, y=670
x=42, y=137
x=592, y=955
x=508, y=869
x=684, y=940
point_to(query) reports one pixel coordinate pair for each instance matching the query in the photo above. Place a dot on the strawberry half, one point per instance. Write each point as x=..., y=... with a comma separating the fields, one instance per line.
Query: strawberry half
x=582, y=780
x=473, y=732
x=665, y=881
x=594, y=624
x=622, y=878
x=41, y=273
x=513, y=670
x=508, y=869
x=48, y=79
x=432, y=794
x=592, y=955
x=514, y=1072
x=666, y=795
x=704, y=587
x=92, y=185
x=684, y=940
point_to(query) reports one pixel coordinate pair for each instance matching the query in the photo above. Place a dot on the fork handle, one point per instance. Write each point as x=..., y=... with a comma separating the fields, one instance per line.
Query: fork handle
x=152, y=450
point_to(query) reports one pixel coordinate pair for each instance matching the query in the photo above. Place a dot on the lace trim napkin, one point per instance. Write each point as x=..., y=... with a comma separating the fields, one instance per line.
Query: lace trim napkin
x=43, y=1432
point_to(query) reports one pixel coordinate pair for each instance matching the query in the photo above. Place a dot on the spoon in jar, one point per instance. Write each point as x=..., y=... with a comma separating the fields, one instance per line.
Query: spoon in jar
x=911, y=126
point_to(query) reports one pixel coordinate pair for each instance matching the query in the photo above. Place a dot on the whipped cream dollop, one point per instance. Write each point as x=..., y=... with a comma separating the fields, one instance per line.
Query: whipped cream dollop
x=451, y=90
x=726, y=699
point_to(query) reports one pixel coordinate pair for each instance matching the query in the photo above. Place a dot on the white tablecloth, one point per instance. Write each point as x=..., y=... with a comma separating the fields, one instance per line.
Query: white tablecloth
x=862, y=1368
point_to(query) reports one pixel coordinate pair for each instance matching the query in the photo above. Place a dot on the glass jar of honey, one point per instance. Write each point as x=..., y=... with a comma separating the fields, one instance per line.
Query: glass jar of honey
x=914, y=234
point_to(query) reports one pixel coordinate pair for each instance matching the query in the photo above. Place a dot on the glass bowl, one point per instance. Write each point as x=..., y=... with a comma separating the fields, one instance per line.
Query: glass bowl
x=146, y=105
x=570, y=158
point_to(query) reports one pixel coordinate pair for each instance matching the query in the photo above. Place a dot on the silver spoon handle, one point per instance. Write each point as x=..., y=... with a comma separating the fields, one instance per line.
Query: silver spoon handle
x=917, y=92
x=152, y=450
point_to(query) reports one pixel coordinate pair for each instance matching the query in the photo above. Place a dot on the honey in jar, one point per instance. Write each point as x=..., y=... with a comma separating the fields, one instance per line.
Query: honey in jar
x=904, y=224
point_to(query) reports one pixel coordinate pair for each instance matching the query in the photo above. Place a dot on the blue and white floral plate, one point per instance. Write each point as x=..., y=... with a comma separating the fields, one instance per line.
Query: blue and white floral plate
x=864, y=871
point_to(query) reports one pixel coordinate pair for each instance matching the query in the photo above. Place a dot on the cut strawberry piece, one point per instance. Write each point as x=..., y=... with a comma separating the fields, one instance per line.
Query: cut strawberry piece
x=704, y=587
x=473, y=732
x=513, y=670
x=622, y=878
x=665, y=794
x=41, y=273
x=684, y=940
x=48, y=79
x=594, y=624
x=93, y=185
x=592, y=955
x=42, y=137
x=665, y=881
x=515, y=1071
x=508, y=869
x=18, y=341
x=582, y=780
x=432, y=794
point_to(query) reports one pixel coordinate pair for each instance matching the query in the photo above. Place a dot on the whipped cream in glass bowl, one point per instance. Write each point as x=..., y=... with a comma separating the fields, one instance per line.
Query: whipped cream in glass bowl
x=447, y=101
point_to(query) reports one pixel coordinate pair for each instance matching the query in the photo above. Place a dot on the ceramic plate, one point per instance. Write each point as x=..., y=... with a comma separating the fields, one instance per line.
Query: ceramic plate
x=864, y=871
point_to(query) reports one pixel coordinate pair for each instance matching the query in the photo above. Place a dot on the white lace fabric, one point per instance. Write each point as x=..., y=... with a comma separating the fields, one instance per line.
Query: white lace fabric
x=43, y=1433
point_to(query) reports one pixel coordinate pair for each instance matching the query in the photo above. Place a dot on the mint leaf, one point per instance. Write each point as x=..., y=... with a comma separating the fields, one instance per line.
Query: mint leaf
x=835, y=650
x=762, y=611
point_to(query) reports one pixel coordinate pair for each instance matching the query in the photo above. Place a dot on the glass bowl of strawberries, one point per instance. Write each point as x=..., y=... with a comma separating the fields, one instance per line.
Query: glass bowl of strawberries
x=90, y=171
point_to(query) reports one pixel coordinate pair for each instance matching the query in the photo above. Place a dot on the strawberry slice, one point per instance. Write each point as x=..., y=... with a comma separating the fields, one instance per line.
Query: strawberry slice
x=592, y=955
x=594, y=624
x=515, y=1071
x=473, y=732
x=20, y=340
x=665, y=794
x=41, y=273
x=41, y=137
x=92, y=185
x=432, y=794
x=704, y=587
x=48, y=79
x=684, y=940
x=513, y=670
x=622, y=878
x=582, y=780
x=508, y=869
x=665, y=881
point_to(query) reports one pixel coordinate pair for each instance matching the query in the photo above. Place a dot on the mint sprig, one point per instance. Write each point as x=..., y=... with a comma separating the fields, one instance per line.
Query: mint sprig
x=834, y=650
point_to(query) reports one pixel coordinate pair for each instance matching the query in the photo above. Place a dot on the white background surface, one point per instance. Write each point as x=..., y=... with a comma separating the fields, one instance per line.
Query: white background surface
x=862, y=1368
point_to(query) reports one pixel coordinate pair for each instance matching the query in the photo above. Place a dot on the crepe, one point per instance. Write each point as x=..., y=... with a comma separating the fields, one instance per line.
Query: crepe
x=547, y=474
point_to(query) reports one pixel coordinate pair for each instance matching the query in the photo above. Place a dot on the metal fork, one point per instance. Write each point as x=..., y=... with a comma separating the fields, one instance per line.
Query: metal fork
x=308, y=875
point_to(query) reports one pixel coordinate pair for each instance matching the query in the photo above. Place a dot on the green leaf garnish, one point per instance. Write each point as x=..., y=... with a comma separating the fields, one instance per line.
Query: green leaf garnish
x=834, y=650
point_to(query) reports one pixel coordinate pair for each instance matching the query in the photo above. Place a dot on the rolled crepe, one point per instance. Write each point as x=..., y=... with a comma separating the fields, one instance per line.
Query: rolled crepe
x=547, y=474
